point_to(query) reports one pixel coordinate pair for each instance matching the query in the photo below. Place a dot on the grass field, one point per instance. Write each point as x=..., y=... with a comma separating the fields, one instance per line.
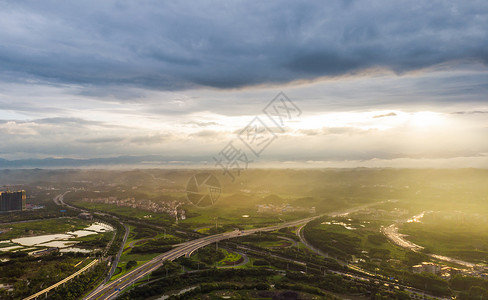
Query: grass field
x=274, y=244
x=365, y=240
x=229, y=210
x=49, y=226
x=140, y=258
x=126, y=257
x=230, y=259
x=223, y=216
x=456, y=235
x=126, y=211
x=130, y=237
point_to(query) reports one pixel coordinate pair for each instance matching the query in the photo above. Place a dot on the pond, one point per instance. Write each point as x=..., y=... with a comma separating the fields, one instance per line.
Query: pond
x=40, y=239
x=59, y=240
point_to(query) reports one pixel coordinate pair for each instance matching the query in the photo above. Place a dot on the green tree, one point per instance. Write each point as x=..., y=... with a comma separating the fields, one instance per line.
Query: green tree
x=130, y=264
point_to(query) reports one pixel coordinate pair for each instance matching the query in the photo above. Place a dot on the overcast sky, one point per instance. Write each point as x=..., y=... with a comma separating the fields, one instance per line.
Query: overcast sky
x=378, y=83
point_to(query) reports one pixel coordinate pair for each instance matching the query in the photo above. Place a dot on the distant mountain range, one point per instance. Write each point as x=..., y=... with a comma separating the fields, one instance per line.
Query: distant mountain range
x=149, y=160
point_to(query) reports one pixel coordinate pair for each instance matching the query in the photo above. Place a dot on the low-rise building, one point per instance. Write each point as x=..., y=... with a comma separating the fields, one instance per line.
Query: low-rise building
x=85, y=216
x=427, y=267
x=417, y=269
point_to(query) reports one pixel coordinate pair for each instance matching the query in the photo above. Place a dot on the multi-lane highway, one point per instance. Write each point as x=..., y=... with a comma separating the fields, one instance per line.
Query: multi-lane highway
x=111, y=290
x=115, y=262
x=59, y=200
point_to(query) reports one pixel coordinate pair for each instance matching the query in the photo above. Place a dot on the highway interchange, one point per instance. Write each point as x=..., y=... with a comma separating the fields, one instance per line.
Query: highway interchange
x=112, y=289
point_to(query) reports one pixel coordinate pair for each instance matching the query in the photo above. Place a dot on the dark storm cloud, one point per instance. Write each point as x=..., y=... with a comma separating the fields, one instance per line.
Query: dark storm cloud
x=175, y=45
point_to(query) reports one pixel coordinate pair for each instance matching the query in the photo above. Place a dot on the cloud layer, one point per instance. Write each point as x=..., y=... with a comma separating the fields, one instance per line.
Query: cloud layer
x=180, y=45
x=377, y=81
